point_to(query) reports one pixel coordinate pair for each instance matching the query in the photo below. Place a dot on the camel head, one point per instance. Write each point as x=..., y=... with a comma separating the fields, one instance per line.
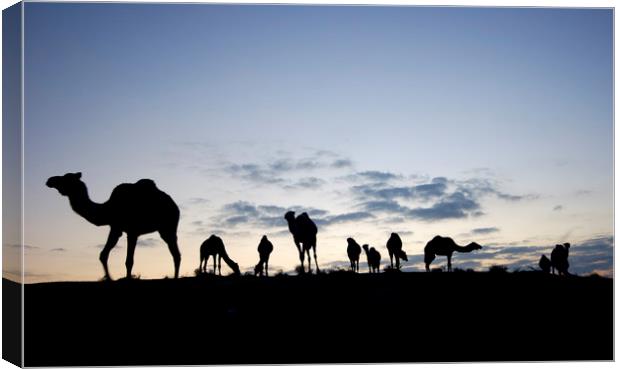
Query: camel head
x=235, y=267
x=290, y=216
x=365, y=247
x=66, y=185
x=474, y=246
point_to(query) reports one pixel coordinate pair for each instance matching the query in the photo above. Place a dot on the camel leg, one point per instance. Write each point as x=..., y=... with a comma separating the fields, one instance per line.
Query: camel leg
x=266, y=268
x=214, y=263
x=309, y=261
x=132, y=239
x=315, y=260
x=449, y=263
x=391, y=260
x=170, y=238
x=113, y=237
x=302, y=257
x=219, y=265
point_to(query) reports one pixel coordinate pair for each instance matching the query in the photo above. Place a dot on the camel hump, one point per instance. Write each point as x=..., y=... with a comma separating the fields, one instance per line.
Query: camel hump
x=145, y=182
x=305, y=223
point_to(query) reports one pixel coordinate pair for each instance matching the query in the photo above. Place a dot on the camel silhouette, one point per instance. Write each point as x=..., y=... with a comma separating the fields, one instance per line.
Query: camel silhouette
x=445, y=246
x=134, y=208
x=559, y=259
x=265, y=247
x=374, y=259
x=304, y=233
x=353, y=251
x=395, y=250
x=214, y=246
x=545, y=264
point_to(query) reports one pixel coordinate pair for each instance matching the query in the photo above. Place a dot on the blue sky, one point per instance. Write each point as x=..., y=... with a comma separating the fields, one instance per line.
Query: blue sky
x=491, y=125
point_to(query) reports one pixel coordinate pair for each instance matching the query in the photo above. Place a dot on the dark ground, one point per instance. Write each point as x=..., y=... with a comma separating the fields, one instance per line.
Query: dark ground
x=329, y=318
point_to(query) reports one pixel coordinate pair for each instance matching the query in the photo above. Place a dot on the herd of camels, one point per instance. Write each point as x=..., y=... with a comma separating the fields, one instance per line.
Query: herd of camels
x=140, y=208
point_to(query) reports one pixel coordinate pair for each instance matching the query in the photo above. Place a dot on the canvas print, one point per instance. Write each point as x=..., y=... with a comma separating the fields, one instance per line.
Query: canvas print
x=195, y=184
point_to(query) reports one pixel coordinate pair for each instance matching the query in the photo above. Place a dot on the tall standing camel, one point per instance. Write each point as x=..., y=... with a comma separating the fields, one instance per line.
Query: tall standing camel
x=265, y=247
x=374, y=259
x=304, y=233
x=214, y=246
x=134, y=208
x=445, y=246
x=395, y=250
x=559, y=259
x=353, y=251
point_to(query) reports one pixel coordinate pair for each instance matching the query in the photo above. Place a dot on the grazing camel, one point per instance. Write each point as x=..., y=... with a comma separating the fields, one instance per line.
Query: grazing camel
x=353, y=251
x=559, y=259
x=134, y=208
x=395, y=250
x=445, y=246
x=214, y=246
x=265, y=247
x=374, y=259
x=304, y=233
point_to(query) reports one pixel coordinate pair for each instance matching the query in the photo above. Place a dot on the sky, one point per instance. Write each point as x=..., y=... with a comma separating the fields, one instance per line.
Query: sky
x=491, y=125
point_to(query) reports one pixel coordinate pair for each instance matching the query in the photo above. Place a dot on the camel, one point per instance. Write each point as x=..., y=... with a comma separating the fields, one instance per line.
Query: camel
x=395, y=250
x=134, y=208
x=445, y=246
x=265, y=247
x=559, y=259
x=374, y=259
x=304, y=233
x=353, y=251
x=214, y=246
x=545, y=264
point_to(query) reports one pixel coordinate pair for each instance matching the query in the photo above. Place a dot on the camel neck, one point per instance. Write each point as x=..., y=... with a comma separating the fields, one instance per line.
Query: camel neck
x=458, y=248
x=84, y=206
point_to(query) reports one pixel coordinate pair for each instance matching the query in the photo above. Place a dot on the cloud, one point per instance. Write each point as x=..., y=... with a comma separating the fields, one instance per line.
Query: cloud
x=278, y=171
x=272, y=216
x=59, y=249
x=346, y=217
x=449, y=199
x=374, y=175
x=307, y=183
x=454, y=206
x=341, y=163
x=485, y=230
x=558, y=208
x=254, y=173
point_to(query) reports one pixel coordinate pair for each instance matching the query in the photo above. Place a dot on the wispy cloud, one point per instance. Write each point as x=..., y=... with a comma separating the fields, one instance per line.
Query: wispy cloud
x=279, y=171
x=272, y=216
x=449, y=199
x=484, y=230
